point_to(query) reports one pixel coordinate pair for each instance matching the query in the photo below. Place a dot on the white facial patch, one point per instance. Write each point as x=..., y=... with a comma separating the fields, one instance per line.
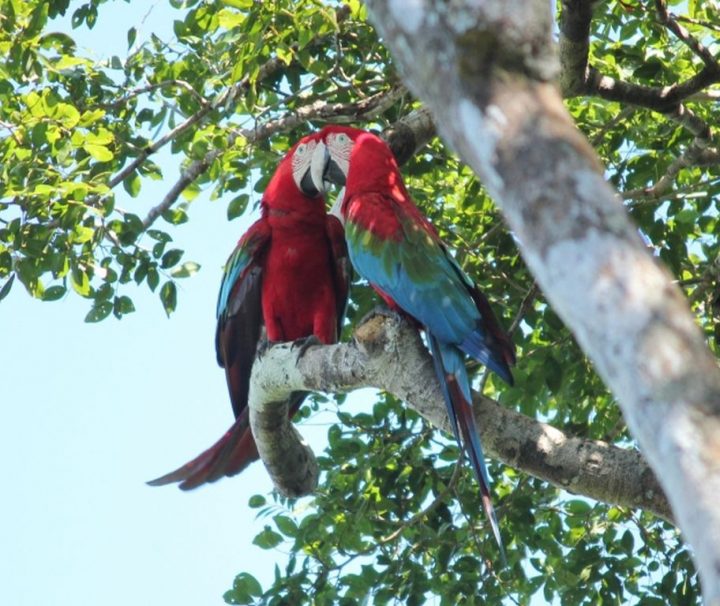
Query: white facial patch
x=340, y=146
x=301, y=160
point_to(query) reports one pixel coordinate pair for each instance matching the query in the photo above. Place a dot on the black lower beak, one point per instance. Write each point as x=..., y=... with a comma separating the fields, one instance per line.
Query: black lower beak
x=332, y=173
x=307, y=185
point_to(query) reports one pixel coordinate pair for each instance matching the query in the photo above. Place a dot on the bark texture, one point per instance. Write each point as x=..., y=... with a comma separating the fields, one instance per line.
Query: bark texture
x=485, y=71
x=388, y=353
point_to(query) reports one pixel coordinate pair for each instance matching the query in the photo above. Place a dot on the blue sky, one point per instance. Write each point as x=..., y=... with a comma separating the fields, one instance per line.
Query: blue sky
x=92, y=411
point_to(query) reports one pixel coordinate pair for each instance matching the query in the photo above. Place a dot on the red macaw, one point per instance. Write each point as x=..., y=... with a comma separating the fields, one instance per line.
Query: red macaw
x=289, y=273
x=399, y=252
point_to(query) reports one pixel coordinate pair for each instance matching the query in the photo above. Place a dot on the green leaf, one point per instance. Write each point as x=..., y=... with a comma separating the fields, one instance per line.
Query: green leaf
x=153, y=278
x=186, y=270
x=267, y=539
x=132, y=184
x=230, y=19
x=171, y=258
x=245, y=588
x=286, y=525
x=175, y=216
x=80, y=282
x=54, y=293
x=122, y=305
x=241, y=4
x=158, y=235
x=257, y=500
x=5, y=290
x=98, y=152
x=237, y=206
x=99, y=311
x=67, y=115
x=578, y=507
x=168, y=296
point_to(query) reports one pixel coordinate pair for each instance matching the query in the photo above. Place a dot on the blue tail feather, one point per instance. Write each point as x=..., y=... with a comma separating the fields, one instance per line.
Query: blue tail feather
x=452, y=374
x=440, y=372
x=475, y=345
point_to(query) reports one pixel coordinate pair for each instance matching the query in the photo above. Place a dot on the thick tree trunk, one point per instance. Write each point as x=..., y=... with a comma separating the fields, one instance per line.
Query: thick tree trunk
x=484, y=69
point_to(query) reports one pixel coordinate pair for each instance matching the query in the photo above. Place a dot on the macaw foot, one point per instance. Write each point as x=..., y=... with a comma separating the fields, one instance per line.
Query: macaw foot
x=263, y=346
x=304, y=344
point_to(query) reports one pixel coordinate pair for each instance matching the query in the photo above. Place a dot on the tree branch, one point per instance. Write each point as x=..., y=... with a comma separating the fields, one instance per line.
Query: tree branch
x=225, y=101
x=478, y=67
x=410, y=134
x=577, y=78
x=661, y=99
x=694, y=155
x=387, y=353
x=575, y=21
x=697, y=47
x=318, y=110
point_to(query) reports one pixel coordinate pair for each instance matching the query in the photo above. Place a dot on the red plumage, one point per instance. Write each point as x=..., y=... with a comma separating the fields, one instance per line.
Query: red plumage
x=289, y=274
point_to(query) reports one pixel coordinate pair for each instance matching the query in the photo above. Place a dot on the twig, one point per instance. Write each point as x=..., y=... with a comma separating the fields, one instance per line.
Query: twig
x=698, y=22
x=669, y=21
x=136, y=92
x=689, y=158
x=525, y=305
x=318, y=110
x=423, y=513
x=225, y=101
x=641, y=195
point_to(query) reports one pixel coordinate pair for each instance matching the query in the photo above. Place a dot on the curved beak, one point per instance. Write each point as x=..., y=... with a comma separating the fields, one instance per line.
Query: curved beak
x=318, y=164
x=308, y=186
x=324, y=172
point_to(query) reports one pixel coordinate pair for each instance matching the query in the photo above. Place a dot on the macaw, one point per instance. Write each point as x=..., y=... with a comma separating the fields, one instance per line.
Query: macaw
x=398, y=251
x=288, y=274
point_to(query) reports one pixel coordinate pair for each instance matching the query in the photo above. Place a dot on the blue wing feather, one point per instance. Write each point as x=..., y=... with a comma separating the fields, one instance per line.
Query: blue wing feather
x=416, y=271
x=401, y=255
x=244, y=256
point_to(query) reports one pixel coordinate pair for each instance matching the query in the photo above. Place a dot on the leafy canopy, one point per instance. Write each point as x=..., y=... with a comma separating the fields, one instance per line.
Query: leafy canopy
x=396, y=518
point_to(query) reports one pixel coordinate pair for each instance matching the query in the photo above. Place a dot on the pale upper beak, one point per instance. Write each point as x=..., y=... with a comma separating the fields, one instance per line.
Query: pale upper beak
x=324, y=172
x=320, y=158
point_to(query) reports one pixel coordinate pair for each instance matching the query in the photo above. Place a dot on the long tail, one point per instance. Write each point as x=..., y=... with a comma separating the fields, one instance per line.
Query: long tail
x=230, y=455
x=450, y=369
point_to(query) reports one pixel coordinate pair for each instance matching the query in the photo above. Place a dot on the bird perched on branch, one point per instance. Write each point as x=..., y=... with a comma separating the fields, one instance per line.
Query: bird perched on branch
x=289, y=275
x=399, y=252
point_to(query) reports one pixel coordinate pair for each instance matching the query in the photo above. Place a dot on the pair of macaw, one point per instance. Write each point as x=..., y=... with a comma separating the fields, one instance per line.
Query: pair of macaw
x=289, y=274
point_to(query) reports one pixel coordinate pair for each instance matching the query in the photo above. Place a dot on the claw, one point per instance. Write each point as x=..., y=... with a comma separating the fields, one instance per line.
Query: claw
x=304, y=344
x=263, y=346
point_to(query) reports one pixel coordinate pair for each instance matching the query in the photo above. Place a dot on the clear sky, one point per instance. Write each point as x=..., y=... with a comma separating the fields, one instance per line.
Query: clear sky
x=91, y=411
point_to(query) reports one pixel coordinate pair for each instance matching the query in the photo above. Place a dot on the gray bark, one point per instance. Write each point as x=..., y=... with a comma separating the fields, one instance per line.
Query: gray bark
x=485, y=71
x=389, y=354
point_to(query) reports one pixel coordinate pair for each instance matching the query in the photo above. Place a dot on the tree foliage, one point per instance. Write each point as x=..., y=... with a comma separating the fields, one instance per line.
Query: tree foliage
x=396, y=518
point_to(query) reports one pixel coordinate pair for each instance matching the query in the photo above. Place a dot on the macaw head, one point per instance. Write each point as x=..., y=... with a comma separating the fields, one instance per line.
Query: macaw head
x=354, y=158
x=292, y=183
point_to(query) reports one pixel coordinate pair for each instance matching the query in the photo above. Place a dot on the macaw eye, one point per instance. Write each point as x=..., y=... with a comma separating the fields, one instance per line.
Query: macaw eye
x=342, y=138
x=300, y=150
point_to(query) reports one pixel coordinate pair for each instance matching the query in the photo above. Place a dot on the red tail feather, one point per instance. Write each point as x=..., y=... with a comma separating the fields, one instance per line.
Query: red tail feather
x=464, y=415
x=232, y=453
